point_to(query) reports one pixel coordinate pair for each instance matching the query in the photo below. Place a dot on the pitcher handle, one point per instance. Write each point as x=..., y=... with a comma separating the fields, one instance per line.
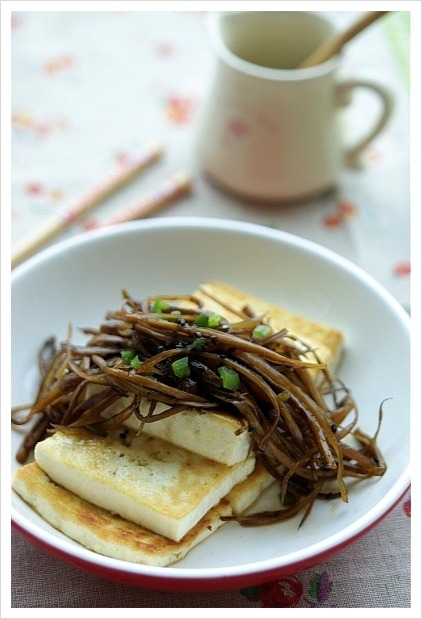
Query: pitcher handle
x=344, y=91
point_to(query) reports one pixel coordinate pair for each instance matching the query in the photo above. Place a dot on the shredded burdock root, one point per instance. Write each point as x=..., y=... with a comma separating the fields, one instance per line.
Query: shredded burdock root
x=168, y=349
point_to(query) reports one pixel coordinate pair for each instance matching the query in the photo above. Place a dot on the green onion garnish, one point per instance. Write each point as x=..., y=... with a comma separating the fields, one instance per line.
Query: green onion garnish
x=200, y=343
x=261, y=332
x=130, y=358
x=136, y=362
x=229, y=377
x=214, y=320
x=127, y=356
x=283, y=396
x=201, y=320
x=160, y=306
x=208, y=320
x=181, y=367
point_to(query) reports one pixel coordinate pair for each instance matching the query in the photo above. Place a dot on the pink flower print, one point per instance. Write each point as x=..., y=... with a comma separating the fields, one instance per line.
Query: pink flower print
x=59, y=64
x=237, y=128
x=402, y=269
x=372, y=155
x=56, y=195
x=16, y=21
x=345, y=209
x=165, y=50
x=333, y=220
x=40, y=198
x=24, y=123
x=234, y=131
x=34, y=189
x=179, y=109
x=37, y=189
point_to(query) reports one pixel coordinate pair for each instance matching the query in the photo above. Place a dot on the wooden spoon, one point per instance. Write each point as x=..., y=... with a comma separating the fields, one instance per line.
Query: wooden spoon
x=333, y=46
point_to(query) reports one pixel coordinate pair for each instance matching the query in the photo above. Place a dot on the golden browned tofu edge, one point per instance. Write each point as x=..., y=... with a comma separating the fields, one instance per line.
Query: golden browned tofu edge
x=103, y=532
x=110, y=535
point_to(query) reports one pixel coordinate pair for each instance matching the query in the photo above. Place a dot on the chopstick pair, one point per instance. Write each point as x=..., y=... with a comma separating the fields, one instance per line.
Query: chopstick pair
x=171, y=189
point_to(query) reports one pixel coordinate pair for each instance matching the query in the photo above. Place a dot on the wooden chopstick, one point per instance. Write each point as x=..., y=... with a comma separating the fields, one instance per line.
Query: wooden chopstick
x=174, y=187
x=58, y=222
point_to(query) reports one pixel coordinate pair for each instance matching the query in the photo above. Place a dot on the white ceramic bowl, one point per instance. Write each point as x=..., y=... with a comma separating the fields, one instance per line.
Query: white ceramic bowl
x=78, y=280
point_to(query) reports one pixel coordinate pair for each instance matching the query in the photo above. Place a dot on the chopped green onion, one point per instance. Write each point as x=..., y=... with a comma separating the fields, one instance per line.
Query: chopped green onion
x=214, y=320
x=201, y=320
x=136, y=362
x=127, y=356
x=160, y=306
x=283, y=396
x=229, y=377
x=130, y=358
x=261, y=332
x=181, y=367
x=200, y=342
x=208, y=320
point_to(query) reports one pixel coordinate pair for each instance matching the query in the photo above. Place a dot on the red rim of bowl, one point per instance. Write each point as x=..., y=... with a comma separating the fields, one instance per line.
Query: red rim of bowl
x=195, y=583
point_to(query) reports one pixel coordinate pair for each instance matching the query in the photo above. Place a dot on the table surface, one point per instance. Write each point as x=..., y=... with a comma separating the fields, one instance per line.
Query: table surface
x=89, y=88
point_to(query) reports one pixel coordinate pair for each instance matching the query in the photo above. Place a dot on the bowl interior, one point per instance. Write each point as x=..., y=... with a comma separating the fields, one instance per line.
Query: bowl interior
x=78, y=280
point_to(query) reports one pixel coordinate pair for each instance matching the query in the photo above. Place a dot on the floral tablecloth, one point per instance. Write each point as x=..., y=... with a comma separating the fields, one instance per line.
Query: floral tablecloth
x=91, y=86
